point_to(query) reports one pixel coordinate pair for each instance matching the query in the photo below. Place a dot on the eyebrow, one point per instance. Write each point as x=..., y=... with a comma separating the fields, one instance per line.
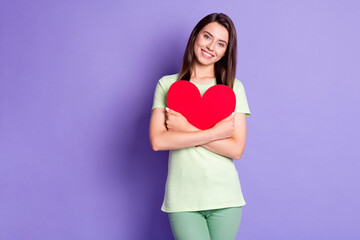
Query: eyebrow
x=213, y=36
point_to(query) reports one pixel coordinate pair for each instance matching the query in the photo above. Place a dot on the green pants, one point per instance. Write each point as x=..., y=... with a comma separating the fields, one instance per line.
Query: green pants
x=214, y=224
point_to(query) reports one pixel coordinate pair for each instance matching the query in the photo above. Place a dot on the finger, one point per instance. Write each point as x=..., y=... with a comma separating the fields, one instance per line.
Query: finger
x=228, y=118
x=173, y=112
x=170, y=113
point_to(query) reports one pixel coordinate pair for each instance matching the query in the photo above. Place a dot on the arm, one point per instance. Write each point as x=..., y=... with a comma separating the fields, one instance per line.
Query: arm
x=163, y=139
x=232, y=147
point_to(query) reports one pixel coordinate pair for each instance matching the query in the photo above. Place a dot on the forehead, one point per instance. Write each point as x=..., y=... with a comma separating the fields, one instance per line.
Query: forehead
x=217, y=30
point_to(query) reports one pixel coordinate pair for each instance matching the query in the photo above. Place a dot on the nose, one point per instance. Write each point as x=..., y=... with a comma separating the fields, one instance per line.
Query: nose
x=210, y=46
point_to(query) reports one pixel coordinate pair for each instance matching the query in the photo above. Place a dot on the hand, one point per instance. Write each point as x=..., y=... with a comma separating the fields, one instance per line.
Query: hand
x=175, y=121
x=225, y=128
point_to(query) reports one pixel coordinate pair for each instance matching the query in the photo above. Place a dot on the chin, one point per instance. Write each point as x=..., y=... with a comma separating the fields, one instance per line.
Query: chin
x=206, y=63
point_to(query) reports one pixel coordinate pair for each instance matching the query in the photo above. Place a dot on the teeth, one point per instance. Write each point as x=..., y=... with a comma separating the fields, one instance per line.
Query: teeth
x=207, y=54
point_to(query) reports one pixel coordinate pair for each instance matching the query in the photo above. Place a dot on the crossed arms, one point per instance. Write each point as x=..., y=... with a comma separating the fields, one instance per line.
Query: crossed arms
x=169, y=130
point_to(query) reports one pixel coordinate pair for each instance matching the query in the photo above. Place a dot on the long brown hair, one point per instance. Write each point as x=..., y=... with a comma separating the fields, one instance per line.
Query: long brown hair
x=225, y=68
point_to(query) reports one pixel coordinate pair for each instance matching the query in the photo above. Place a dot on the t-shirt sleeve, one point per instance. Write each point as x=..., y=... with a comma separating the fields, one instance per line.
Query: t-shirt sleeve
x=241, y=100
x=159, y=95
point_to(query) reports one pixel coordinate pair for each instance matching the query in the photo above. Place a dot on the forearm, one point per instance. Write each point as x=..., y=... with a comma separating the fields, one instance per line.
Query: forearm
x=172, y=140
x=227, y=147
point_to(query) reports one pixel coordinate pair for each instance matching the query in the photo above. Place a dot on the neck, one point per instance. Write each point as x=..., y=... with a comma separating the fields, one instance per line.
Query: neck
x=199, y=71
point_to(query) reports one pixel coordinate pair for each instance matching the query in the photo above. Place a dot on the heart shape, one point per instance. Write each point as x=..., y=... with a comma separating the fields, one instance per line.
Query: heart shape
x=217, y=103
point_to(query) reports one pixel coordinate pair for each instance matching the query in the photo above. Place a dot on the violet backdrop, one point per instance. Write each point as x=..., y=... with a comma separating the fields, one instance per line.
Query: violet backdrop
x=76, y=85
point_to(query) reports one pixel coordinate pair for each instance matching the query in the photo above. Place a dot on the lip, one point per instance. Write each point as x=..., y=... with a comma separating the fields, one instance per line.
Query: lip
x=207, y=53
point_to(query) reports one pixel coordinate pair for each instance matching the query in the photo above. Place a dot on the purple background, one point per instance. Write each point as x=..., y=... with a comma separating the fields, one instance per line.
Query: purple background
x=76, y=85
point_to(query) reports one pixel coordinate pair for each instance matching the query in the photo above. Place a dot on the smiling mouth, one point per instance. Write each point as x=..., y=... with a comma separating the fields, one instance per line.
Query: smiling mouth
x=206, y=54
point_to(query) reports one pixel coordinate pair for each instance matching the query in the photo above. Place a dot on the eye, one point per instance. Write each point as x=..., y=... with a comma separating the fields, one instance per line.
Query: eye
x=221, y=45
x=206, y=36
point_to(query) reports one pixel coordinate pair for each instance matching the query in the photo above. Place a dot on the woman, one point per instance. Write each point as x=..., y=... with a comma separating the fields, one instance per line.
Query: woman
x=203, y=196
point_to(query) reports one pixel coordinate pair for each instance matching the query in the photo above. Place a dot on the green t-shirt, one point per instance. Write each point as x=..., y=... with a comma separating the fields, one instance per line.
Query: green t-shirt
x=199, y=179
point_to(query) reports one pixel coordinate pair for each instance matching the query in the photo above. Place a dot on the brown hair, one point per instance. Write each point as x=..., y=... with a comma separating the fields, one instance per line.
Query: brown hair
x=225, y=68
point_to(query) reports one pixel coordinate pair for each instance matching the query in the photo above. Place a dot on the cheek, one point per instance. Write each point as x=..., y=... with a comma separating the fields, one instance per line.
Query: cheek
x=200, y=42
x=221, y=52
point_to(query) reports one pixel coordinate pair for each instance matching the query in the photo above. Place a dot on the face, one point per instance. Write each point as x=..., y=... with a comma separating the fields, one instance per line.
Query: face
x=211, y=43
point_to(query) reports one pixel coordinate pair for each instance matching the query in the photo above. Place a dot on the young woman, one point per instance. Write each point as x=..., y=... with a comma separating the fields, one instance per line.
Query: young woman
x=203, y=196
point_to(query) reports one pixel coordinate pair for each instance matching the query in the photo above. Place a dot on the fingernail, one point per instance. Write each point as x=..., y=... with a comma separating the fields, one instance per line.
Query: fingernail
x=233, y=113
x=167, y=109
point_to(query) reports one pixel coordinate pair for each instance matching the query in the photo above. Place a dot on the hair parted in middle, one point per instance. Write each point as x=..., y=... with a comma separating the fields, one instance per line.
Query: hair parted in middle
x=225, y=68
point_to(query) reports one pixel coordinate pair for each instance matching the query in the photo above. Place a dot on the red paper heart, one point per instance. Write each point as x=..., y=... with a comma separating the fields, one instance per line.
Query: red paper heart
x=217, y=103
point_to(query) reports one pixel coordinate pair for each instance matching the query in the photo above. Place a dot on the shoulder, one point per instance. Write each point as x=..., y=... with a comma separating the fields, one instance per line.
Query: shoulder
x=167, y=80
x=238, y=84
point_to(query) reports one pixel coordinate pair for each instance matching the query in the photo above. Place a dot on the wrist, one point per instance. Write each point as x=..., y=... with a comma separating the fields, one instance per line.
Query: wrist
x=213, y=134
x=192, y=128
